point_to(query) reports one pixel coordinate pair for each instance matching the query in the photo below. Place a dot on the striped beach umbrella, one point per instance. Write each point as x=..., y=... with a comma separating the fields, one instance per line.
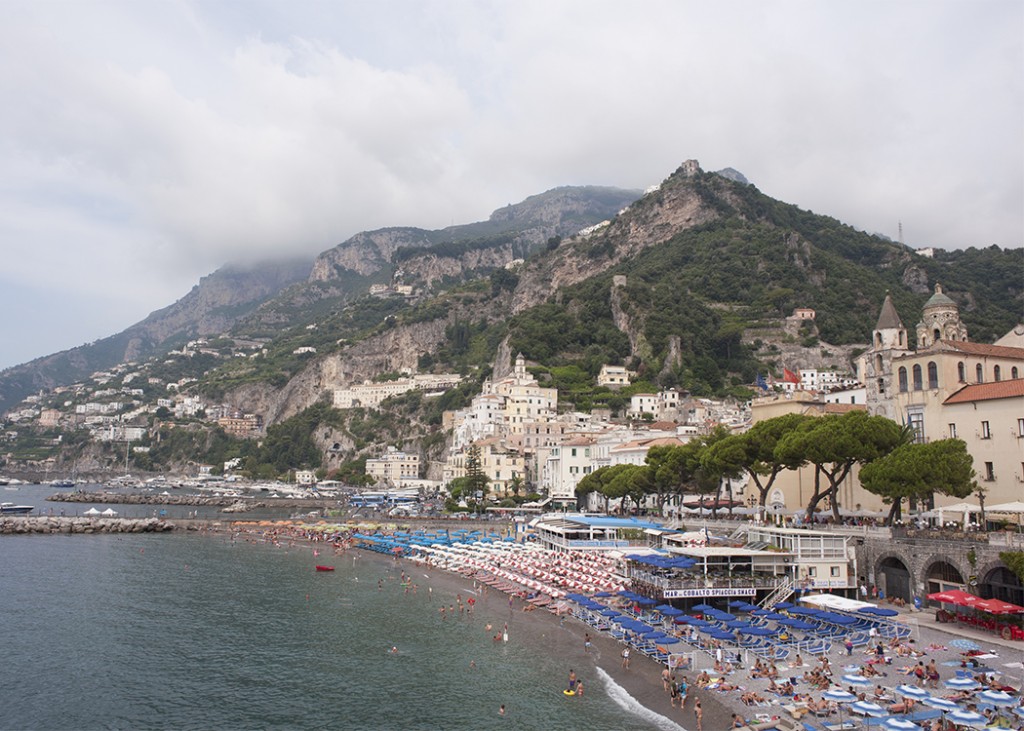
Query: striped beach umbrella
x=962, y=684
x=997, y=698
x=839, y=696
x=967, y=718
x=857, y=681
x=912, y=692
x=941, y=704
x=899, y=724
x=865, y=708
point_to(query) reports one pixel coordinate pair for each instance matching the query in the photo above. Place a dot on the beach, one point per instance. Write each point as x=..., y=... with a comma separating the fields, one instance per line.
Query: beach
x=888, y=662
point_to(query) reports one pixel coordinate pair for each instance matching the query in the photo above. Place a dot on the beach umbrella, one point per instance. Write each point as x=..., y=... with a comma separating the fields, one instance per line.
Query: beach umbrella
x=942, y=704
x=865, y=708
x=967, y=718
x=965, y=645
x=962, y=684
x=857, y=681
x=911, y=691
x=839, y=696
x=899, y=724
x=609, y=613
x=1019, y=710
x=702, y=607
x=668, y=640
x=783, y=605
x=997, y=698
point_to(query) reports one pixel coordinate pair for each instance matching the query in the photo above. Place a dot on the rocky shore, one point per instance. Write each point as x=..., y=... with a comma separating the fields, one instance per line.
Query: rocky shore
x=53, y=525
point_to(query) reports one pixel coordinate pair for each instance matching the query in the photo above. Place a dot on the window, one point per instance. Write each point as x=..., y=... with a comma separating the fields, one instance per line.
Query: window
x=917, y=378
x=812, y=570
x=835, y=571
x=961, y=372
x=903, y=379
x=952, y=431
x=573, y=452
x=996, y=374
x=933, y=375
x=979, y=373
x=990, y=472
x=1013, y=372
x=986, y=431
x=1020, y=428
x=915, y=420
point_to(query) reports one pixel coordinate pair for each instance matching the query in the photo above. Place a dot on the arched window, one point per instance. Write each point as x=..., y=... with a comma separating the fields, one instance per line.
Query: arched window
x=917, y=378
x=903, y=379
x=961, y=372
x=878, y=339
x=979, y=373
x=878, y=364
x=1013, y=372
x=933, y=375
x=936, y=335
x=996, y=374
x=901, y=338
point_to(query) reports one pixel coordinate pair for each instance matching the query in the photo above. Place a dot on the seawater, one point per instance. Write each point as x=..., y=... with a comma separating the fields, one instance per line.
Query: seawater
x=186, y=631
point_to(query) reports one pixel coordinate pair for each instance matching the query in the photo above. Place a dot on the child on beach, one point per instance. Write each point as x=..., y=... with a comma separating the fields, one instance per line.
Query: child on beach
x=698, y=713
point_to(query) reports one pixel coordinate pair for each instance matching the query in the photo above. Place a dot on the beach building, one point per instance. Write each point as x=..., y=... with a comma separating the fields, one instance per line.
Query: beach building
x=589, y=533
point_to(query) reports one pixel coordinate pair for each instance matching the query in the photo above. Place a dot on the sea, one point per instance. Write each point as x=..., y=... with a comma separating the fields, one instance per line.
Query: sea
x=207, y=631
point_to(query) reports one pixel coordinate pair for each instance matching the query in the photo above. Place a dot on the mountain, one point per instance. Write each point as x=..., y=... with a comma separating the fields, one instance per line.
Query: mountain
x=264, y=295
x=209, y=308
x=692, y=285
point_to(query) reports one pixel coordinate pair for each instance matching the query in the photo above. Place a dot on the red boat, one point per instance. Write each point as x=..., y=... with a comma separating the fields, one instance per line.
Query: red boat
x=325, y=568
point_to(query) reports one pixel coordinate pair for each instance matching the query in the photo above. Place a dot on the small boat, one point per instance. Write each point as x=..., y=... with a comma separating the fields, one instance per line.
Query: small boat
x=324, y=568
x=12, y=509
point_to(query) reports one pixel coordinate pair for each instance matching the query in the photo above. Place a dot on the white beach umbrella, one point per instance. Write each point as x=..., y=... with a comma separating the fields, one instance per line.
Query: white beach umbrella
x=899, y=724
x=857, y=681
x=997, y=698
x=967, y=718
x=942, y=704
x=962, y=683
x=866, y=708
x=912, y=692
x=91, y=511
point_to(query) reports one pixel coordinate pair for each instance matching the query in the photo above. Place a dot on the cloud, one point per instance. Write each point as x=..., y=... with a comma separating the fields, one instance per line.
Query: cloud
x=143, y=145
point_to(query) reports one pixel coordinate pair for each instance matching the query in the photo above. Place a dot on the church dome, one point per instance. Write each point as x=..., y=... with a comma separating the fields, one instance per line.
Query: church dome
x=939, y=299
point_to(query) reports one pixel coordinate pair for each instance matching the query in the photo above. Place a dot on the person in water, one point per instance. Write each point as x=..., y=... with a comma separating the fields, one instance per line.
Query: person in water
x=572, y=681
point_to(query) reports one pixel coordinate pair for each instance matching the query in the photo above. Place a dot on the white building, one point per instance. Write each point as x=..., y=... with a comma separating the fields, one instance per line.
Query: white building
x=394, y=467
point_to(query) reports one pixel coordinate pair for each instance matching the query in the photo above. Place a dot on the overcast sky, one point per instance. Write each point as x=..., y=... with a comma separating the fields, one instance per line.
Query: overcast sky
x=144, y=144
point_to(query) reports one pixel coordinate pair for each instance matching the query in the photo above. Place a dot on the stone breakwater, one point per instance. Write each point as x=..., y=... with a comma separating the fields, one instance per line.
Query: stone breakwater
x=53, y=525
x=150, y=499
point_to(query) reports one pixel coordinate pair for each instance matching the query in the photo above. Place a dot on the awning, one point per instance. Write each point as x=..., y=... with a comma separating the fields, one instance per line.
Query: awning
x=955, y=596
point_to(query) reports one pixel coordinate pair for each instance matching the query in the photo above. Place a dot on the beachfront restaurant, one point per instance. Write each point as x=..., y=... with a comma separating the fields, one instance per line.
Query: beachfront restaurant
x=767, y=560
x=593, y=533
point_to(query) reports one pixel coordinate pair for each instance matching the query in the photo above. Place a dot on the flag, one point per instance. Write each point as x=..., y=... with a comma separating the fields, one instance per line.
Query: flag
x=789, y=376
x=761, y=383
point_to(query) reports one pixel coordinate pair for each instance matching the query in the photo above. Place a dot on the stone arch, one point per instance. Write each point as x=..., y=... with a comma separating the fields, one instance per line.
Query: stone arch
x=995, y=580
x=942, y=572
x=893, y=576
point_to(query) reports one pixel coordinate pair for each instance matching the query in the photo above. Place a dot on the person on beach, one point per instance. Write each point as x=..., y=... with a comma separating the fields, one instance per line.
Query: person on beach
x=586, y=642
x=579, y=688
x=666, y=679
x=698, y=713
x=684, y=691
x=625, y=658
x=673, y=690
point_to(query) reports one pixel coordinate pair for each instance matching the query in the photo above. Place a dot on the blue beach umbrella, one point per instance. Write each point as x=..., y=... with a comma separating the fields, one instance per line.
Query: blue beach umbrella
x=997, y=698
x=967, y=718
x=1019, y=711
x=668, y=640
x=962, y=684
x=865, y=708
x=702, y=607
x=899, y=724
x=879, y=611
x=839, y=696
x=943, y=704
x=912, y=692
x=609, y=613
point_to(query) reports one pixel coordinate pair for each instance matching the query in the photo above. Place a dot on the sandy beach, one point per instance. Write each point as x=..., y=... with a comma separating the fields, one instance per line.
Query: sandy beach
x=601, y=668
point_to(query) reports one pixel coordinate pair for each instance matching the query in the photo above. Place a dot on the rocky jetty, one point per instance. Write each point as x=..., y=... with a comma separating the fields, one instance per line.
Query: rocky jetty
x=53, y=524
x=218, y=501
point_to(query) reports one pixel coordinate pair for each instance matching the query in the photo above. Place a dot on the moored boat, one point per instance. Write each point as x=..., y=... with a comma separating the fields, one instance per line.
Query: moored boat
x=12, y=509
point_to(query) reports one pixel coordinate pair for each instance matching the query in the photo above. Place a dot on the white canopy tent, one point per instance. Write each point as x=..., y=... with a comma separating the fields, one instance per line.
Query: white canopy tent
x=91, y=511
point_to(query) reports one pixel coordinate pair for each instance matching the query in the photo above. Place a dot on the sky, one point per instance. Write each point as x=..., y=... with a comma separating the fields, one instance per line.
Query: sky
x=146, y=143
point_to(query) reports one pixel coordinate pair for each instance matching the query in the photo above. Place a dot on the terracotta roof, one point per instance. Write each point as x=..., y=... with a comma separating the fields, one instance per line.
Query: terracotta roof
x=578, y=442
x=968, y=348
x=988, y=391
x=843, y=408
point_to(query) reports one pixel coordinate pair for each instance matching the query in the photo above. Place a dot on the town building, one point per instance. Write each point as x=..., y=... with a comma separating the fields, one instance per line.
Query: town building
x=394, y=467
